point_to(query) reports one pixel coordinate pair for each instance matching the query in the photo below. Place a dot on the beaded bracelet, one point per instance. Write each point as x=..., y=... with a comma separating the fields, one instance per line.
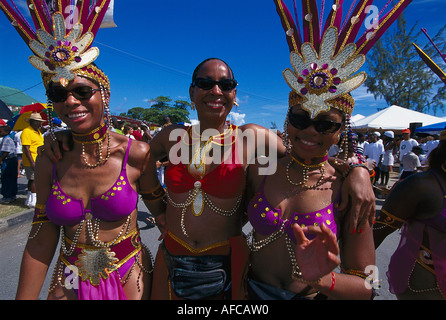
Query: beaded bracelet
x=351, y=166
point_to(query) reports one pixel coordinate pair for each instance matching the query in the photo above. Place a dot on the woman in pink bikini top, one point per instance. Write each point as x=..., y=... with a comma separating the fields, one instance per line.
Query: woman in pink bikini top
x=295, y=219
x=86, y=201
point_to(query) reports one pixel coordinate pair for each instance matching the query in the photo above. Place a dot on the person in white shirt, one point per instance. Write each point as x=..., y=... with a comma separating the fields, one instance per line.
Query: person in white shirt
x=374, y=150
x=388, y=158
x=406, y=144
x=431, y=143
x=411, y=162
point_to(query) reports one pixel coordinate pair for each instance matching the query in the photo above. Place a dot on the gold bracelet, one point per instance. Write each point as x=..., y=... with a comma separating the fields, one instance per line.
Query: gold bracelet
x=389, y=220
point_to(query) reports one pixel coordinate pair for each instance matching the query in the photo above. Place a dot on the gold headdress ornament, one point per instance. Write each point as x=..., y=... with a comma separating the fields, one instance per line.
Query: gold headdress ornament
x=61, y=45
x=325, y=56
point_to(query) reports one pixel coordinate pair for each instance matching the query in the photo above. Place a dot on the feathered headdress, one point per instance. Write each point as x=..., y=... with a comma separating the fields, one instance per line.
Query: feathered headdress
x=428, y=60
x=62, y=37
x=325, y=56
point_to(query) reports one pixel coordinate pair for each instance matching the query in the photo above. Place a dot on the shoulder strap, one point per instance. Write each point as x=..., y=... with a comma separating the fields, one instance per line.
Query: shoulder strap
x=124, y=163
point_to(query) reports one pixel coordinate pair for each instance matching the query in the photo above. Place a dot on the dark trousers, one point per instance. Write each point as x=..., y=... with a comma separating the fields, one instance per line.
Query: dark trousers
x=9, y=178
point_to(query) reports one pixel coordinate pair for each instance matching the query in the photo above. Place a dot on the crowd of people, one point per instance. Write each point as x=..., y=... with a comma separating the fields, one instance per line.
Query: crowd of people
x=402, y=152
x=312, y=214
x=18, y=152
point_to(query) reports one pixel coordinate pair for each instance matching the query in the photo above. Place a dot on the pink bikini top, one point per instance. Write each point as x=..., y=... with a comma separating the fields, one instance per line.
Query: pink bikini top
x=265, y=219
x=115, y=204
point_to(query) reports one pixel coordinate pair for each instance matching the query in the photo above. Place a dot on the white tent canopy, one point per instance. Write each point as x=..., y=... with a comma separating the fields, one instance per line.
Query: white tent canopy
x=394, y=118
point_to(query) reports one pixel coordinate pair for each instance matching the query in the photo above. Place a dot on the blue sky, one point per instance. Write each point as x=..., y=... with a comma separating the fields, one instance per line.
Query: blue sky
x=157, y=44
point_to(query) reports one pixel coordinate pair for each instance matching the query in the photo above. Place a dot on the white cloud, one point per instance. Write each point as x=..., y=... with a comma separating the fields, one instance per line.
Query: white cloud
x=237, y=118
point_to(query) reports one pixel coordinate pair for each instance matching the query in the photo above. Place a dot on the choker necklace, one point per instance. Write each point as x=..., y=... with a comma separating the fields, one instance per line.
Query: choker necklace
x=306, y=168
x=97, y=136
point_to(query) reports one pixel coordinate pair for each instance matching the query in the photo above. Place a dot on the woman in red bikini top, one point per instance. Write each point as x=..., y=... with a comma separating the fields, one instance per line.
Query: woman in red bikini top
x=204, y=213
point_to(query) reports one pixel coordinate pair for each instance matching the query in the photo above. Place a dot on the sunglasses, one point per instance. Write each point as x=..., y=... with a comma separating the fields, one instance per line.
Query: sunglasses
x=303, y=121
x=59, y=94
x=208, y=84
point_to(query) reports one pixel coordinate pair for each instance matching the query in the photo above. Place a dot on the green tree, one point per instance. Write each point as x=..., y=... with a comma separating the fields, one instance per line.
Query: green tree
x=398, y=75
x=160, y=108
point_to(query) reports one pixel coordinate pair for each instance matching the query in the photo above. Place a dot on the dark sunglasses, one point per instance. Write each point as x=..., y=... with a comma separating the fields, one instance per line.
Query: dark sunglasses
x=302, y=121
x=59, y=94
x=208, y=84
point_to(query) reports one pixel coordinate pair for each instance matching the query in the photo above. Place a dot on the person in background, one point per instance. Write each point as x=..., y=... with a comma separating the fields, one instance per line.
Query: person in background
x=431, y=143
x=8, y=163
x=388, y=158
x=407, y=143
x=31, y=139
x=361, y=143
x=136, y=132
x=411, y=162
x=116, y=126
x=19, y=152
x=374, y=151
x=128, y=131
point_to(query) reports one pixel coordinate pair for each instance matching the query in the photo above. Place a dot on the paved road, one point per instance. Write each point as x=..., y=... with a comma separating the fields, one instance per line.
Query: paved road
x=13, y=240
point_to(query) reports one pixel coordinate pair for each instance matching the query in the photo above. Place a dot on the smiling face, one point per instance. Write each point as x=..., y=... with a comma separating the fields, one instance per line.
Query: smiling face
x=81, y=115
x=308, y=143
x=215, y=104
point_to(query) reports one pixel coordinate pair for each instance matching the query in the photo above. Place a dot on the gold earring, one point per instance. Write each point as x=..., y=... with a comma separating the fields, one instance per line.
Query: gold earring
x=192, y=105
x=236, y=104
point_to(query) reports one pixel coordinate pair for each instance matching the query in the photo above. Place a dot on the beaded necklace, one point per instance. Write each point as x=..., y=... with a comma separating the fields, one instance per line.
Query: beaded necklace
x=306, y=168
x=197, y=198
x=96, y=136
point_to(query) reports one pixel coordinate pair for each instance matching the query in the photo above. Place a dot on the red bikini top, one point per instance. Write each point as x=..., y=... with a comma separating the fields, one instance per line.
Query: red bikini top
x=226, y=181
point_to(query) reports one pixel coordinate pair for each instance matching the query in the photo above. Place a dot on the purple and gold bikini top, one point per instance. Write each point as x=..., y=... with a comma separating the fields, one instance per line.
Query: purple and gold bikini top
x=265, y=219
x=115, y=204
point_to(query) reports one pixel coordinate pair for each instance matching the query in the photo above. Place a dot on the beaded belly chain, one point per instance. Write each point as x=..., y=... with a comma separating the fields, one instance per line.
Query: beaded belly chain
x=98, y=260
x=256, y=246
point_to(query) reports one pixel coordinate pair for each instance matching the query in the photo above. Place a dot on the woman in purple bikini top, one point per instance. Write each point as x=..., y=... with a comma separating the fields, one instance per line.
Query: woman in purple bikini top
x=299, y=236
x=417, y=205
x=266, y=219
x=115, y=204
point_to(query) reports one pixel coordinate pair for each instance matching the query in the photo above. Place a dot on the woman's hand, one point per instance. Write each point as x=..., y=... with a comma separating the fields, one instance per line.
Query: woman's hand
x=52, y=148
x=316, y=257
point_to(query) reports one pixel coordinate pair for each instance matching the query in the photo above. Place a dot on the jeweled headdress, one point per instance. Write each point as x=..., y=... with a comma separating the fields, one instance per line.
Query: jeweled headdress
x=62, y=37
x=325, y=56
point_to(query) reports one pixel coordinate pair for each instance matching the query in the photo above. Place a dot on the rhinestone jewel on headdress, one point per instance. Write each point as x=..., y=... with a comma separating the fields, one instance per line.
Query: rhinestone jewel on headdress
x=61, y=54
x=320, y=77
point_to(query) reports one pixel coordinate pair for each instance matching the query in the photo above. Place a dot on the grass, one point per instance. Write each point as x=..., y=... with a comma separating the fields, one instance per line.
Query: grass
x=12, y=208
